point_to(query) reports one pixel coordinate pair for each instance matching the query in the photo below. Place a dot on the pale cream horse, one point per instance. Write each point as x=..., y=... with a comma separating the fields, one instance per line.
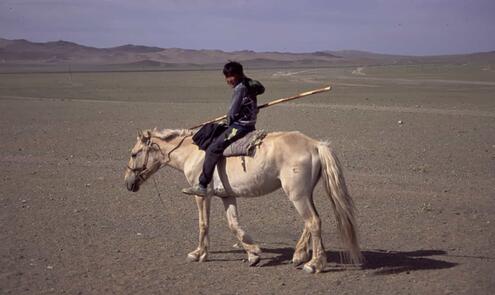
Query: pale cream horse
x=289, y=160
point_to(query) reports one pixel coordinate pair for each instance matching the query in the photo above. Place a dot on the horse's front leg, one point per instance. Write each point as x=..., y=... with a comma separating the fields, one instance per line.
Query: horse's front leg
x=201, y=253
x=252, y=249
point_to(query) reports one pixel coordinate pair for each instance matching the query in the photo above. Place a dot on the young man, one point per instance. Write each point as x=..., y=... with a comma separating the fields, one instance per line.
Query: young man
x=241, y=119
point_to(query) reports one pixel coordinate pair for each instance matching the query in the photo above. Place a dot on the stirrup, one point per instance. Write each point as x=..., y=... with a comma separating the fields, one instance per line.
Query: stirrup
x=195, y=190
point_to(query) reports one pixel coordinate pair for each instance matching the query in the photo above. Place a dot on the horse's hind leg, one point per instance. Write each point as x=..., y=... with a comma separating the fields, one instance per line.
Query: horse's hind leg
x=201, y=253
x=312, y=224
x=252, y=249
x=298, y=183
x=301, y=254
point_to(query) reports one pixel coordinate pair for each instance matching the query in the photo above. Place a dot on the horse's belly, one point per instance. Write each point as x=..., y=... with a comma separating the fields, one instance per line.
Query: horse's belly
x=245, y=180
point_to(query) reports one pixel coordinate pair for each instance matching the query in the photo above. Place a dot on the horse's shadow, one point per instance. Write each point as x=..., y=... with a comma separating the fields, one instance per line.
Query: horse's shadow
x=381, y=261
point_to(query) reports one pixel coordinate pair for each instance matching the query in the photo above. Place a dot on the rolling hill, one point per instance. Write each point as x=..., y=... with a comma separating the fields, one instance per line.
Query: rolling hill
x=24, y=52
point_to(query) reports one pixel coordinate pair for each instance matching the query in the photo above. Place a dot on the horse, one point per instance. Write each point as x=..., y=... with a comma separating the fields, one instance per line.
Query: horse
x=288, y=160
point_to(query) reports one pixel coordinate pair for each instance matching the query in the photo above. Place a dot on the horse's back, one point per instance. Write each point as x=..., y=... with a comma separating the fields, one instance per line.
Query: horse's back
x=290, y=137
x=290, y=144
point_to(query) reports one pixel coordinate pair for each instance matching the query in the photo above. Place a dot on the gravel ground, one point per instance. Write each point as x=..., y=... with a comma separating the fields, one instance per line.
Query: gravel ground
x=424, y=188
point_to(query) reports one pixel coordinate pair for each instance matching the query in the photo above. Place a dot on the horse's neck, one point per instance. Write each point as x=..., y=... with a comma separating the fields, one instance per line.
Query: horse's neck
x=180, y=150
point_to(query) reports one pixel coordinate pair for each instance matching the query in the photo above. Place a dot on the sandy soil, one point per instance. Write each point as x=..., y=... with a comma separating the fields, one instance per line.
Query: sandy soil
x=424, y=190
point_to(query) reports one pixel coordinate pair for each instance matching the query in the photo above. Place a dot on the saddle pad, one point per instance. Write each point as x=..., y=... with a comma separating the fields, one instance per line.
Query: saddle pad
x=245, y=146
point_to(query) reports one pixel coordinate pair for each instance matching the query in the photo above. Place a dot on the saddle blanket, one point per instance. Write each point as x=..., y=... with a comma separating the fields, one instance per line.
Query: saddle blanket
x=245, y=146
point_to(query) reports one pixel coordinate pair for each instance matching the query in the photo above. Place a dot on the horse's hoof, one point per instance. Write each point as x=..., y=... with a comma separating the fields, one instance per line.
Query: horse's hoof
x=309, y=268
x=253, y=260
x=203, y=257
x=297, y=262
x=192, y=257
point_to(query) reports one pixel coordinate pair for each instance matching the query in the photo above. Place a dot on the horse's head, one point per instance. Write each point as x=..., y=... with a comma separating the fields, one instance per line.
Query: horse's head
x=146, y=156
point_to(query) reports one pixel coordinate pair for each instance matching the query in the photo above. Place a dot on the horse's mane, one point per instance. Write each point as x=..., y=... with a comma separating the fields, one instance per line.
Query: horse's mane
x=168, y=134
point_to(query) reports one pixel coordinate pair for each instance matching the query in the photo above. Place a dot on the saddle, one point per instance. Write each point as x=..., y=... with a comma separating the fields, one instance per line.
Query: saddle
x=245, y=146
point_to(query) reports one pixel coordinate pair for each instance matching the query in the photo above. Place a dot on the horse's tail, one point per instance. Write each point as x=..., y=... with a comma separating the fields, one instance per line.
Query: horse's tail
x=342, y=203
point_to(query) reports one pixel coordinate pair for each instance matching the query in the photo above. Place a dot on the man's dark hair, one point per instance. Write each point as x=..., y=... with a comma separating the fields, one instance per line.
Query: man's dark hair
x=233, y=68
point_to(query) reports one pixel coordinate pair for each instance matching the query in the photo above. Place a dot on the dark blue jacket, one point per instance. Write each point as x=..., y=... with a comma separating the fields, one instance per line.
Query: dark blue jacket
x=244, y=106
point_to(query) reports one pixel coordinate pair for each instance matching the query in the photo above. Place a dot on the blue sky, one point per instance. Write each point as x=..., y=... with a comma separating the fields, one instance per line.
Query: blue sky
x=417, y=27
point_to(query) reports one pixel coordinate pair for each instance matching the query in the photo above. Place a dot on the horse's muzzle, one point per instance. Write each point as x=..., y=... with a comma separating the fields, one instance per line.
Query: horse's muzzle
x=132, y=183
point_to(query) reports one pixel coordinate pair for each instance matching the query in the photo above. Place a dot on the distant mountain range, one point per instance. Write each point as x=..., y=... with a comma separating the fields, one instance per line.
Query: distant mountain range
x=24, y=52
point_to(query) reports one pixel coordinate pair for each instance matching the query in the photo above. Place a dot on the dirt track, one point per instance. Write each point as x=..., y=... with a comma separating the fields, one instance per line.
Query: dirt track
x=424, y=190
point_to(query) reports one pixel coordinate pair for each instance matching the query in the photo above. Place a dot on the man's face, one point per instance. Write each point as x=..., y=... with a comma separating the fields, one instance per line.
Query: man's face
x=231, y=80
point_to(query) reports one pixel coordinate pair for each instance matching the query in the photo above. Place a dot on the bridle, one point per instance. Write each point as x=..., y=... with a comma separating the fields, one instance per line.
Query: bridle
x=143, y=170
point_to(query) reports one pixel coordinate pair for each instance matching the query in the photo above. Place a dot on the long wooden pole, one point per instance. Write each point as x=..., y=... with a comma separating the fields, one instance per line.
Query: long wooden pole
x=273, y=102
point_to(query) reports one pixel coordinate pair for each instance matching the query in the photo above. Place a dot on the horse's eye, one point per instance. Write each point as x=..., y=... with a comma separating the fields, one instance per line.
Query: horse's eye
x=134, y=155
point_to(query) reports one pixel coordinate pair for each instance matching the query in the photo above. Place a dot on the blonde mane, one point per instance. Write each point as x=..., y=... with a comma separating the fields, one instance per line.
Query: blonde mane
x=168, y=134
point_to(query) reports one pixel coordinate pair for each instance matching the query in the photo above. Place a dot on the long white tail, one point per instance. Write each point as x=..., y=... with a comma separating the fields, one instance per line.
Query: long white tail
x=341, y=201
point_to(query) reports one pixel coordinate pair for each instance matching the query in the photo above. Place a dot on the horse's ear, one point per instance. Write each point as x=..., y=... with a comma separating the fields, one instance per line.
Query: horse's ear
x=144, y=136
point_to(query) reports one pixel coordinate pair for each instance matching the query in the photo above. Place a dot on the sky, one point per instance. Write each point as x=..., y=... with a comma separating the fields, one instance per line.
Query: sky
x=412, y=27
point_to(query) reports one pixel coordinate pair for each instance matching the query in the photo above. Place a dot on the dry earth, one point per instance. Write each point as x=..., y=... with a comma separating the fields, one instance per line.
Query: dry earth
x=424, y=190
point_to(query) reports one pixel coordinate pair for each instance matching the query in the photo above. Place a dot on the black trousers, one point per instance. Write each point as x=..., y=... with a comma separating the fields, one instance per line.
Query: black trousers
x=214, y=152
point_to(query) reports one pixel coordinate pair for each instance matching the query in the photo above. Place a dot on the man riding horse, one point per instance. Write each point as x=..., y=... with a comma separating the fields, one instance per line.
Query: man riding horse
x=288, y=160
x=241, y=119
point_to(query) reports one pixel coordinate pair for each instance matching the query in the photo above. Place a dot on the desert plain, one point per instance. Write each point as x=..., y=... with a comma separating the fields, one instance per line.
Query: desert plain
x=417, y=143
